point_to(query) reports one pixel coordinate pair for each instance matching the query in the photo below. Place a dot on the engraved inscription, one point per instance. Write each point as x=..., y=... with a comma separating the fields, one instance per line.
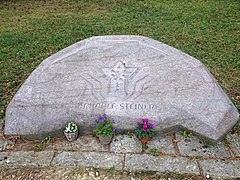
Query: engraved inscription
x=121, y=106
x=118, y=75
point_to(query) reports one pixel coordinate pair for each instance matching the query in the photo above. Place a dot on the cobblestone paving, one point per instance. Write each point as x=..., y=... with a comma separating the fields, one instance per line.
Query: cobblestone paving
x=171, y=153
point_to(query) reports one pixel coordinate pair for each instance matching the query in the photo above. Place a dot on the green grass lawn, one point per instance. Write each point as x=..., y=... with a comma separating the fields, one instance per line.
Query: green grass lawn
x=32, y=30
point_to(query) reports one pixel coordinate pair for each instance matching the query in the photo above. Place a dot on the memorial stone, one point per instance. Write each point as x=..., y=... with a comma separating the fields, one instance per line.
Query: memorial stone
x=127, y=78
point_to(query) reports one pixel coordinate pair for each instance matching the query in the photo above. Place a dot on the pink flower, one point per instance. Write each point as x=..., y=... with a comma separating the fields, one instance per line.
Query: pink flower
x=144, y=126
x=138, y=123
x=145, y=120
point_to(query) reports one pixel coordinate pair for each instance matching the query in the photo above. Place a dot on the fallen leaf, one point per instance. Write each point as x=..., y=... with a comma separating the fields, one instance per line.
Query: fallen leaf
x=10, y=146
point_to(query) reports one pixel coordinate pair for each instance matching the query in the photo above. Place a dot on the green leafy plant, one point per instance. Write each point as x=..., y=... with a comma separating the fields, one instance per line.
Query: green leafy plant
x=199, y=157
x=208, y=144
x=128, y=132
x=104, y=126
x=39, y=147
x=71, y=127
x=144, y=129
x=18, y=139
x=155, y=152
x=186, y=134
x=112, y=170
x=46, y=140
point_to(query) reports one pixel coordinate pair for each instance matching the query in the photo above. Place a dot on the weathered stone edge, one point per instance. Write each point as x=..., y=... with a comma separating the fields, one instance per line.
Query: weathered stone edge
x=26, y=159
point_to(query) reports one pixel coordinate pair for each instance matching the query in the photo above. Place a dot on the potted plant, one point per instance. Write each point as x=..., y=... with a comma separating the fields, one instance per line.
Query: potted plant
x=144, y=130
x=104, y=129
x=71, y=131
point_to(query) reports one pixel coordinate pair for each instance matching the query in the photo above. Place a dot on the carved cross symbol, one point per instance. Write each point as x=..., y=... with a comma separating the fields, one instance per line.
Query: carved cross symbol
x=119, y=75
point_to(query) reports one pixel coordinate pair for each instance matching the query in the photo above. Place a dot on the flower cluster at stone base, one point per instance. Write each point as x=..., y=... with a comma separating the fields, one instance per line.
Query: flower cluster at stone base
x=145, y=129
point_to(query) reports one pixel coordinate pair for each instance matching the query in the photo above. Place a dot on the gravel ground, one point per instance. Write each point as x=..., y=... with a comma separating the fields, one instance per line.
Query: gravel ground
x=89, y=173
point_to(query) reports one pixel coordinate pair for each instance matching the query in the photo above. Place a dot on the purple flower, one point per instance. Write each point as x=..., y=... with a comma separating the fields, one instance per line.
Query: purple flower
x=104, y=117
x=99, y=117
x=138, y=123
x=151, y=125
x=113, y=129
x=102, y=120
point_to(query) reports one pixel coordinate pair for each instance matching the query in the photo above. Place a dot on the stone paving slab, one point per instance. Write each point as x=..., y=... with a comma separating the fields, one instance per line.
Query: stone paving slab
x=89, y=159
x=146, y=162
x=3, y=158
x=163, y=144
x=3, y=145
x=87, y=151
x=234, y=142
x=195, y=147
x=125, y=144
x=221, y=168
x=26, y=159
x=83, y=143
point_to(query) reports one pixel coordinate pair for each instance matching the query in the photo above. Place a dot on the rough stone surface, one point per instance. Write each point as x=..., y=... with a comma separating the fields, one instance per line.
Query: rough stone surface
x=234, y=142
x=126, y=144
x=126, y=77
x=26, y=159
x=145, y=162
x=83, y=143
x=195, y=147
x=3, y=145
x=221, y=168
x=89, y=159
x=1, y=125
x=163, y=144
x=3, y=158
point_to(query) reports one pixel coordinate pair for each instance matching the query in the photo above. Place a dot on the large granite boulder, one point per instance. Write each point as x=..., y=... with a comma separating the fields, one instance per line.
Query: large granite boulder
x=126, y=77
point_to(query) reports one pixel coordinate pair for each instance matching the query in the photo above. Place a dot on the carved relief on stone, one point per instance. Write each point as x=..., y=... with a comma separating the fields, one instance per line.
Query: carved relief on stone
x=118, y=75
